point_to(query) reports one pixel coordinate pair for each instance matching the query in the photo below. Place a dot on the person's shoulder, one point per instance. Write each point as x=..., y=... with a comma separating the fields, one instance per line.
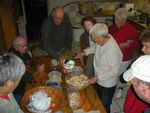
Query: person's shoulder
x=112, y=26
x=112, y=40
x=13, y=50
x=47, y=20
x=84, y=34
x=130, y=25
x=66, y=17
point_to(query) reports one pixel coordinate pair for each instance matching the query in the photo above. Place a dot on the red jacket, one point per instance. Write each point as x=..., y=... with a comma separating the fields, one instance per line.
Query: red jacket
x=133, y=104
x=126, y=33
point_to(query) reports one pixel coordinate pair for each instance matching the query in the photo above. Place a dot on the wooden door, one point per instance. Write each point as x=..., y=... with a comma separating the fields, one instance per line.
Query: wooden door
x=2, y=40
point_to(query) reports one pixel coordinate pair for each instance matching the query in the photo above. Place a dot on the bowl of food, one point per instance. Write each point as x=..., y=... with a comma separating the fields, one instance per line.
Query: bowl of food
x=76, y=82
x=41, y=99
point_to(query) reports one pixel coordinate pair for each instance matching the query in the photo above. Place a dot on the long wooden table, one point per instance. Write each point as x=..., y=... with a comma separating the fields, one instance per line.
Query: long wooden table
x=89, y=100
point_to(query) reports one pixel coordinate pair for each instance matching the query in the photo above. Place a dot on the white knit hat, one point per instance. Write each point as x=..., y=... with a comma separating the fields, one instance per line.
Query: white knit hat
x=139, y=69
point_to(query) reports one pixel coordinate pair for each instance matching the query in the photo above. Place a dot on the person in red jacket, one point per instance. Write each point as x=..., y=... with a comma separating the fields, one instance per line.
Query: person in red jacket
x=127, y=38
x=133, y=104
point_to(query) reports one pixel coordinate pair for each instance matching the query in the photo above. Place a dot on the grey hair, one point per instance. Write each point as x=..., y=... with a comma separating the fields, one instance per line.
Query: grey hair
x=121, y=12
x=17, y=40
x=11, y=68
x=99, y=30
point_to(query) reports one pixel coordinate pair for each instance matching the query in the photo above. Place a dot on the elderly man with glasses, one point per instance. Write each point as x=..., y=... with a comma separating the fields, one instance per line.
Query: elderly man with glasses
x=19, y=48
x=107, y=60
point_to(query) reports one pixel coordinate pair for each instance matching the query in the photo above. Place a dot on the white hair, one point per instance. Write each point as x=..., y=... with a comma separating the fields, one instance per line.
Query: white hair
x=18, y=40
x=99, y=30
x=11, y=68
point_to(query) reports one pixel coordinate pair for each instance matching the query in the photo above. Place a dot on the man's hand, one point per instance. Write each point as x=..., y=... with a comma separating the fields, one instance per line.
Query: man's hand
x=92, y=80
x=40, y=69
x=61, y=60
x=80, y=54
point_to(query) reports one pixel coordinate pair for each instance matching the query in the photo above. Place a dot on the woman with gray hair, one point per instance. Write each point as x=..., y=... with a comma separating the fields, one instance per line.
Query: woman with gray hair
x=12, y=69
x=107, y=60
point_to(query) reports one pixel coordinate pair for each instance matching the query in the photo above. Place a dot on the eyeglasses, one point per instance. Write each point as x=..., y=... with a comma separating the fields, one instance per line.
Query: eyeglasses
x=24, y=46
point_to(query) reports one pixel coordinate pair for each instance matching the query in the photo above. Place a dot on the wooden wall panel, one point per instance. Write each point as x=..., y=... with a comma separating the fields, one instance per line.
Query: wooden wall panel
x=2, y=41
x=8, y=25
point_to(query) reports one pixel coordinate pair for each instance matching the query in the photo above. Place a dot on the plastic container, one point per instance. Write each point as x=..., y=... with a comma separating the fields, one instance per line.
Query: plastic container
x=73, y=98
x=55, y=76
x=77, y=70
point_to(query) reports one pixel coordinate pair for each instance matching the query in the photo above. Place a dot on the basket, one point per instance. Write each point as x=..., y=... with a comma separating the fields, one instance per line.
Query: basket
x=55, y=94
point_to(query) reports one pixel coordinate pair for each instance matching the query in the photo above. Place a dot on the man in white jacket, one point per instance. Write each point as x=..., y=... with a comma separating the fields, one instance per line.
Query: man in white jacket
x=107, y=60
